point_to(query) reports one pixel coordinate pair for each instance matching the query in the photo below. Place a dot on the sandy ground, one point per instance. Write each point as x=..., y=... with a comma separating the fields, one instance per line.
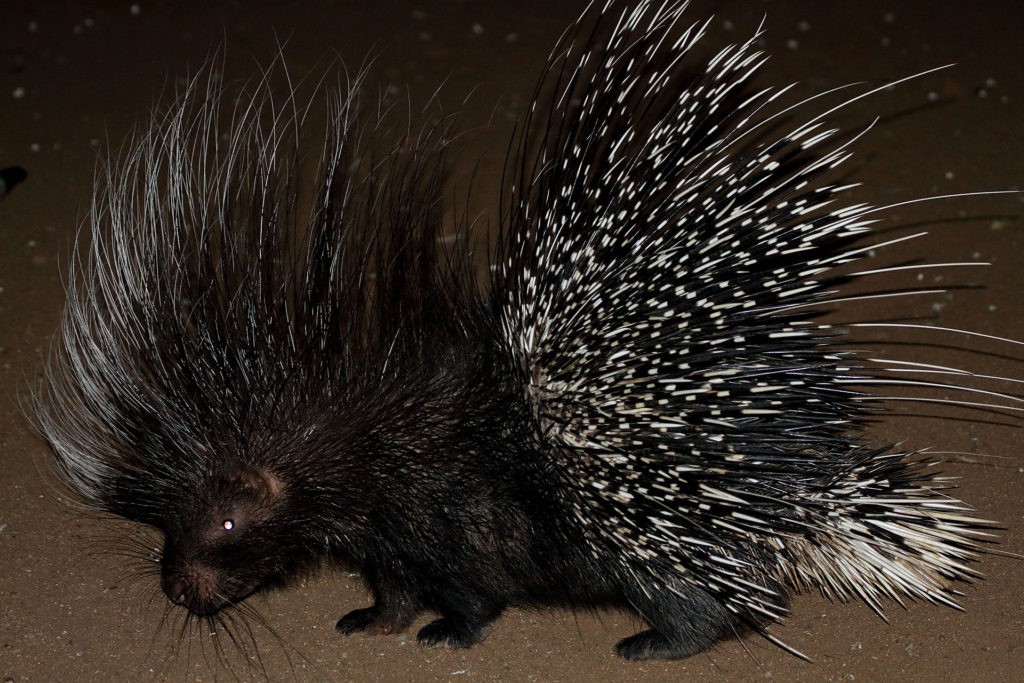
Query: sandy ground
x=74, y=74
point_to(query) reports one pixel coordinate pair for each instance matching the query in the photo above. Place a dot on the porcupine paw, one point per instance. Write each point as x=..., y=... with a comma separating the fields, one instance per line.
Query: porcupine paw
x=654, y=644
x=369, y=620
x=451, y=633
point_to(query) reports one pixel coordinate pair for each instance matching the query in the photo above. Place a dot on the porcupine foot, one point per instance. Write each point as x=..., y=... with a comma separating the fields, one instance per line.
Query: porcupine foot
x=453, y=633
x=372, y=621
x=682, y=627
x=653, y=644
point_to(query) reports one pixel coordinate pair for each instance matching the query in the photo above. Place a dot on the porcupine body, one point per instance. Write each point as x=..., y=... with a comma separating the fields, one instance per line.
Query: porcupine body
x=640, y=411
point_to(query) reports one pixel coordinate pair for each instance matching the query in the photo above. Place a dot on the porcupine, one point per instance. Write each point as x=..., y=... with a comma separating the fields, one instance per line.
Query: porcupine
x=640, y=410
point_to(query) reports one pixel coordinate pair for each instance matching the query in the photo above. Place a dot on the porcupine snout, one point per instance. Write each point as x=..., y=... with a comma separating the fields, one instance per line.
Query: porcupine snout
x=194, y=586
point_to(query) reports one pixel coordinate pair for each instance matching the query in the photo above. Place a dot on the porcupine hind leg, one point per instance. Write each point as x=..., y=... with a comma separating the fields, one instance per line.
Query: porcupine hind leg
x=684, y=620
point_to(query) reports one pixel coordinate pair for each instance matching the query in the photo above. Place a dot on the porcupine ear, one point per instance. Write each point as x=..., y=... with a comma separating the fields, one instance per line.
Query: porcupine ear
x=259, y=483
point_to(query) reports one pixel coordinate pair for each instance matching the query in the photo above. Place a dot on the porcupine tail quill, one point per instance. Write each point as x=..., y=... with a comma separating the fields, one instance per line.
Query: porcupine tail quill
x=660, y=274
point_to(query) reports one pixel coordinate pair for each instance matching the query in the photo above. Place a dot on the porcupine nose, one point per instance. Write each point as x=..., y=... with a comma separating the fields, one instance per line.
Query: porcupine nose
x=195, y=587
x=175, y=588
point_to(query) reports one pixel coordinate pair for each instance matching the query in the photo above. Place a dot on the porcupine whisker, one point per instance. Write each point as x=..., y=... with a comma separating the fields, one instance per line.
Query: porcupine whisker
x=173, y=635
x=247, y=640
x=240, y=639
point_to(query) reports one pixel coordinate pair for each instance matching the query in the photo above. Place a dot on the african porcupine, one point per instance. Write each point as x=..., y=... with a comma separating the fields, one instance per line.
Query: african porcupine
x=640, y=412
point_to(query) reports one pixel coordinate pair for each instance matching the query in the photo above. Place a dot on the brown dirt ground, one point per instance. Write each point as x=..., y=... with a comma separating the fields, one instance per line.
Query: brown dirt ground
x=74, y=74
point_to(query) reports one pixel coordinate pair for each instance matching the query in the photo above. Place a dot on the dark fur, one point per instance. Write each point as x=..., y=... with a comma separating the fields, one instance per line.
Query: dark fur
x=275, y=390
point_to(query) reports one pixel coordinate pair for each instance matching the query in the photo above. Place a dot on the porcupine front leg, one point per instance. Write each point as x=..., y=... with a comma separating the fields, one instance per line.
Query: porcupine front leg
x=377, y=620
x=685, y=621
x=393, y=610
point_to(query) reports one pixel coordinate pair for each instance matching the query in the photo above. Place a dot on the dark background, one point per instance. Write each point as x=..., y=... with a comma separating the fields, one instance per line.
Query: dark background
x=75, y=74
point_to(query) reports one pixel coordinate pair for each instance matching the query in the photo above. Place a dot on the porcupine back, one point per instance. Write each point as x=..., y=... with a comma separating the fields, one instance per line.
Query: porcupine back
x=661, y=275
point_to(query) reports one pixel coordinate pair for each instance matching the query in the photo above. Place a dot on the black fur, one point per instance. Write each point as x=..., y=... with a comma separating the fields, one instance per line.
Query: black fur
x=275, y=389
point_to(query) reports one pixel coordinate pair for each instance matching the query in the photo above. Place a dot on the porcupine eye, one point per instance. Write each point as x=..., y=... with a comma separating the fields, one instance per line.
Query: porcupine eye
x=232, y=522
x=247, y=493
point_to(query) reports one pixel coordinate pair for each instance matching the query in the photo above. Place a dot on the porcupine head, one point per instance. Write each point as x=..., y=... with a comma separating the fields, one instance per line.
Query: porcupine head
x=216, y=552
